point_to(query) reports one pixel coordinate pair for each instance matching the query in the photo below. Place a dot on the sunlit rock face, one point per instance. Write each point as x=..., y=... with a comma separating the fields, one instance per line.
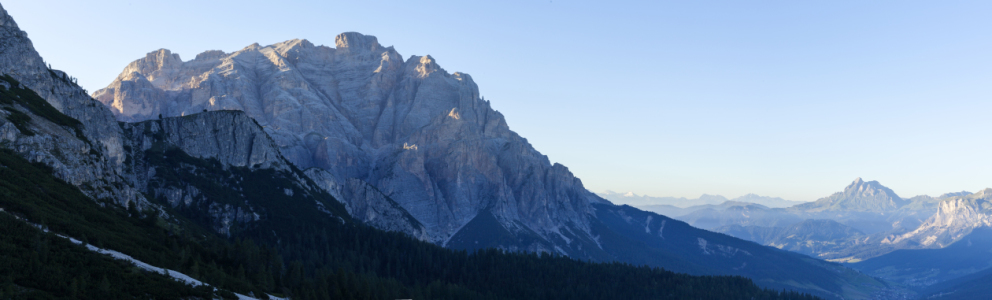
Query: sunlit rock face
x=956, y=217
x=413, y=132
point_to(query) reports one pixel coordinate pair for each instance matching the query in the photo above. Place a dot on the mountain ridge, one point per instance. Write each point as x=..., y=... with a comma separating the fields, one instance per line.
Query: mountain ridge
x=682, y=202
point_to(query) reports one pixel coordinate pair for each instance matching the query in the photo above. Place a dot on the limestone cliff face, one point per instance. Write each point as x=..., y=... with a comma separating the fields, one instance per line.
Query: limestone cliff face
x=421, y=136
x=99, y=172
x=231, y=137
x=956, y=217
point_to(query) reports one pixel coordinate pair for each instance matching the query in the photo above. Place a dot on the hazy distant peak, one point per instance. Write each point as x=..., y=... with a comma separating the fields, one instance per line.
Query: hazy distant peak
x=748, y=205
x=869, y=189
x=957, y=194
x=860, y=195
x=704, y=199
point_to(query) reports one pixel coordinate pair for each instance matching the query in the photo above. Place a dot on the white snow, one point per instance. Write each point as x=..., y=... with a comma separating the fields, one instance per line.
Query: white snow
x=702, y=245
x=171, y=273
x=661, y=229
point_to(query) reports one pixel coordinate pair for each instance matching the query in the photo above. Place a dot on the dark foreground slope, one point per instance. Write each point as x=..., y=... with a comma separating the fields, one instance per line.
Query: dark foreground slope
x=310, y=259
x=298, y=243
x=920, y=268
x=973, y=286
x=648, y=238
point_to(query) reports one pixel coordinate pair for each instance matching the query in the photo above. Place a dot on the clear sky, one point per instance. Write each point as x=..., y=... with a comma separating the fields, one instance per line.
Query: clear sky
x=793, y=99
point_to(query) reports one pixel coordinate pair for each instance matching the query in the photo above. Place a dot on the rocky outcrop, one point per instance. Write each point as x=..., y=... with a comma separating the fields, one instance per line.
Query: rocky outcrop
x=416, y=134
x=956, y=217
x=231, y=137
x=92, y=160
x=220, y=164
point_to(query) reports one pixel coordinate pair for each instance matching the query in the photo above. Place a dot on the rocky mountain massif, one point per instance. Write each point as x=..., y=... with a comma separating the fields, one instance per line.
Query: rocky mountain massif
x=407, y=146
x=383, y=128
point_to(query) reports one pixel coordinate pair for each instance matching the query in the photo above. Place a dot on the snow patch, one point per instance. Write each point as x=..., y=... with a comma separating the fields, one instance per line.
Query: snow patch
x=167, y=272
x=117, y=255
x=662, y=228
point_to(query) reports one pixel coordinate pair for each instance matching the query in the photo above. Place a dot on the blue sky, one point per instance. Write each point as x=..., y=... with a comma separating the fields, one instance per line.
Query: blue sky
x=666, y=98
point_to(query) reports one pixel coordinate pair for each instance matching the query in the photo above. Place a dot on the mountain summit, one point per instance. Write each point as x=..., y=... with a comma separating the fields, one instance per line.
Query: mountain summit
x=861, y=196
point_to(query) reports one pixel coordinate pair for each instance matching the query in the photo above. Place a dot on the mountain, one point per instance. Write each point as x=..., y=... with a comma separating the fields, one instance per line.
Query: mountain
x=673, y=211
x=868, y=217
x=651, y=239
x=772, y=202
x=382, y=128
x=642, y=201
x=924, y=267
x=859, y=196
x=817, y=238
x=286, y=232
x=83, y=143
x=737, y=213
x=669, y=210
x=955, y=218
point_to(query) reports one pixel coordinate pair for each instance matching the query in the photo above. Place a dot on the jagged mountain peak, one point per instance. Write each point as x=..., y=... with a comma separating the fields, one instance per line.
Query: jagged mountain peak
x=860, y=195
x=869, y=188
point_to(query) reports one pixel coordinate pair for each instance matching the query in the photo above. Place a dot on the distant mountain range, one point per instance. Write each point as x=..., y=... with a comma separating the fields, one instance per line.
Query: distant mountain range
x=642, y=200
x=937, y=246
